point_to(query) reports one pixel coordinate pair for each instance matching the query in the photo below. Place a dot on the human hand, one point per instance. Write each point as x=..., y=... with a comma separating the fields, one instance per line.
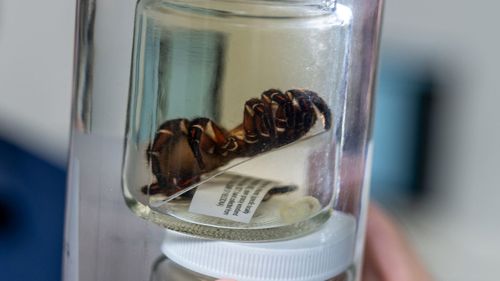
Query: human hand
x=388, y=256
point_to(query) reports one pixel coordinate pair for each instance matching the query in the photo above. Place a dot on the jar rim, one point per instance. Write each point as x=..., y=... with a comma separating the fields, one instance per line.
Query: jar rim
x=251, y=8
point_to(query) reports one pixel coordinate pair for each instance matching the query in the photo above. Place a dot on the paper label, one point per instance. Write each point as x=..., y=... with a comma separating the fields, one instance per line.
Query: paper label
x=230, y=196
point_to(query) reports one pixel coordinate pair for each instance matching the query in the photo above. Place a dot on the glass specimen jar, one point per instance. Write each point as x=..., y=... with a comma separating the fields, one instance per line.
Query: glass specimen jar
x=235, y=120
x=235, y=115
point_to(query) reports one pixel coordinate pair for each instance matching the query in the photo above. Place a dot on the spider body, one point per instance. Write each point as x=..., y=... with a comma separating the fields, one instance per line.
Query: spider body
x=183, y=150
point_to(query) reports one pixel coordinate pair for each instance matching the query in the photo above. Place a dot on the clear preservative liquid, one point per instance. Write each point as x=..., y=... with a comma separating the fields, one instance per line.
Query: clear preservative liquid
x=235, y=116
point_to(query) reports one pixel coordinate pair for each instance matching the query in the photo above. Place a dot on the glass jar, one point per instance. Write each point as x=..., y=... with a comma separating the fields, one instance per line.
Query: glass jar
x=236, y=120
x=237, y=113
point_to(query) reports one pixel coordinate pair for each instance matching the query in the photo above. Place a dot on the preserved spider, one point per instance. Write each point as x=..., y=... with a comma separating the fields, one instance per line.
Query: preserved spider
x=183, y=150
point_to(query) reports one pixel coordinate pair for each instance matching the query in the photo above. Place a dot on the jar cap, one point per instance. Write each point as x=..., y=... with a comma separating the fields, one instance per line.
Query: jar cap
x=318, y=256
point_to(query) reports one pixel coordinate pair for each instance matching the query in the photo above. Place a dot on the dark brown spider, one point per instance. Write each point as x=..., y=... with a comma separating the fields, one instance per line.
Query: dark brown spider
x=183, y=150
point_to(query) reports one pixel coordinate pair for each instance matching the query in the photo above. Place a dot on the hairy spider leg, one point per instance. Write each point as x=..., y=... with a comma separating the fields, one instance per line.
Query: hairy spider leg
x=204, y=134
x=303, y=113
x=283, y=111
x=323, y=111
x=258, y=124
x=168, y=132
x=262, y=117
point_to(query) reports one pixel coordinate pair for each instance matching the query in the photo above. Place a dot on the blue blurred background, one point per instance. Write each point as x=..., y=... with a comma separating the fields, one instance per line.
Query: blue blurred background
x=436, y=133
x=31, y=214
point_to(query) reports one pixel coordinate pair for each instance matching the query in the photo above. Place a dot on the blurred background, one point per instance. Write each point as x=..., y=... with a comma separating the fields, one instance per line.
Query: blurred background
x=436, y=133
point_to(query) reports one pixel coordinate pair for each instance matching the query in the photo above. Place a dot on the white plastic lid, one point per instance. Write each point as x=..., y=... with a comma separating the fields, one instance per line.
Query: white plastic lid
x=315, y=257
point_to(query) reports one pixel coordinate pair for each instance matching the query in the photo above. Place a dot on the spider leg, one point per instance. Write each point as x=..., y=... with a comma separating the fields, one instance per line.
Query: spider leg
x=251, y=135
x=175, y=186
x=196, y=130
x=263, y=118
x=279, y=190
x=157, y=188
x=161, y=186
x=151, y=189
x=322, y=108
x=304, y=112
x=167, y=133
x=258, y=123
x=282, y=110
x=204, y=135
